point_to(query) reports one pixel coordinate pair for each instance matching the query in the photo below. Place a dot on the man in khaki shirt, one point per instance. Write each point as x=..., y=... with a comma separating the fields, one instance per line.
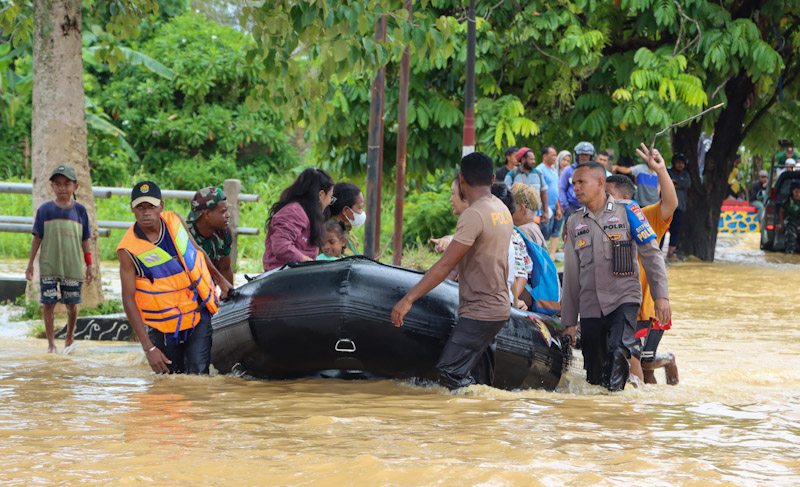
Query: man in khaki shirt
x=601, y=276
x=480, y=251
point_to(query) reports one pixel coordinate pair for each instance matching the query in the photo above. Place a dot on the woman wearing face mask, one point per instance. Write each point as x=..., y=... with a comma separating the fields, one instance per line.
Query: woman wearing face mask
x=349, y=210
x=296, y=225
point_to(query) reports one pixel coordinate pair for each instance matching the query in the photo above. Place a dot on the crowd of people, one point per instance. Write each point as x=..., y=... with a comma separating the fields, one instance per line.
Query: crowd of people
x=620, y=306
x=507, y=232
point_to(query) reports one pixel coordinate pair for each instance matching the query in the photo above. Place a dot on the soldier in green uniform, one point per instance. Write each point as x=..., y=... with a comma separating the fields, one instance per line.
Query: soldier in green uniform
x=208, y=223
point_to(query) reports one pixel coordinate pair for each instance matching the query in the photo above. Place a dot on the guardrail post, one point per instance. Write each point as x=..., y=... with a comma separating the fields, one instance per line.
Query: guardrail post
x=232, y=188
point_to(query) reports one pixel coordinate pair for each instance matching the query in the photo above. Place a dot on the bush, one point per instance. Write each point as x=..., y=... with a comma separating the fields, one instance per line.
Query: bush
x=428, y=214
x=12, y=140
x=419, y=257
x=109, y=307
x=184, y=173
x=30, y=310
x=109, y=170
x=195, y=130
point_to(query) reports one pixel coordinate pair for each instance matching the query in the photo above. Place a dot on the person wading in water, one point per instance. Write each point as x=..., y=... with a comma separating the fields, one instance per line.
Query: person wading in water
x=168, y=284
x=601, y=278
x=480, y=250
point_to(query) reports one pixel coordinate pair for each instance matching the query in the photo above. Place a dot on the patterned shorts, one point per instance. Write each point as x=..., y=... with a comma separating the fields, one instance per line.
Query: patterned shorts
x=70, y=290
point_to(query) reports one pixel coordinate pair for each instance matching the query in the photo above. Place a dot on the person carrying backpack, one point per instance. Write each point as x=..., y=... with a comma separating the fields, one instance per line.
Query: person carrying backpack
x=542, y=293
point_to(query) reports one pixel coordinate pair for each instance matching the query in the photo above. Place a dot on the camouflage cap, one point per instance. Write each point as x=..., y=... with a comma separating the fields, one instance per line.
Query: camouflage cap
x=526, y=196
x=205, y=199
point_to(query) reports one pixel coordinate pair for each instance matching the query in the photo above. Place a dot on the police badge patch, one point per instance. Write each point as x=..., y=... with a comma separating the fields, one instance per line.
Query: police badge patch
x=641, y=231
x=636, y=211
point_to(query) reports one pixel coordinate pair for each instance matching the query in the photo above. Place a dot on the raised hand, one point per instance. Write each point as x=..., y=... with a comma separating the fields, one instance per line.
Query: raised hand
x=654, y=159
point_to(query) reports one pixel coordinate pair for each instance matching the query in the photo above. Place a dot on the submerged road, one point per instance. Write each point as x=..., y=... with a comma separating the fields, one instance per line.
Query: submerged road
x=100, y=417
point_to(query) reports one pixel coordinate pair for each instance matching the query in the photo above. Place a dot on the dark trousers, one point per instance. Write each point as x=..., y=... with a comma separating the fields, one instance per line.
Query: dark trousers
x=190, y=351
x=467, y=358
x=651, y=345
x=607, y=344
x=675, y=228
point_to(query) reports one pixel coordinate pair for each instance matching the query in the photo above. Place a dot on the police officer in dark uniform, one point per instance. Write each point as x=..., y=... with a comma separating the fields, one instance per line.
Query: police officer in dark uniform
x=601, y=276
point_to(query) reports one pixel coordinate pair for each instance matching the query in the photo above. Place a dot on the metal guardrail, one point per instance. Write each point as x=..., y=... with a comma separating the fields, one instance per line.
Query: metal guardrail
x=106, y=192
x=22, y=221
x=232, y=188
x=28, y=228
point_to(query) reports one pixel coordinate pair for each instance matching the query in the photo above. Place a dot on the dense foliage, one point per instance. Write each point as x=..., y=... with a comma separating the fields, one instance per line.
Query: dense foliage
x=161, y=107
x=429, y=216
x=610, y=72
x=199, y=118
x=548, y=72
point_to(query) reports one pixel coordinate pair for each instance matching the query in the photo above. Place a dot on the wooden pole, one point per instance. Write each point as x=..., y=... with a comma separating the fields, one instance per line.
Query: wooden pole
x=468, y=145
x=402, y=136
x=380, y=159
x=374, y=146
x=232, y=189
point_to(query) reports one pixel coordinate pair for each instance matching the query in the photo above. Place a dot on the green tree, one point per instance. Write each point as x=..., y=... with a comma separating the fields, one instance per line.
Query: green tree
x=613, y=73
x=435, y=111
x=199, y=118
x=59, y=134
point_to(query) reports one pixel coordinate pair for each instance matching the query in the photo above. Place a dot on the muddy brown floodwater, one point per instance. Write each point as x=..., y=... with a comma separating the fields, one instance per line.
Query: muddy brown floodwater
x=100, y=417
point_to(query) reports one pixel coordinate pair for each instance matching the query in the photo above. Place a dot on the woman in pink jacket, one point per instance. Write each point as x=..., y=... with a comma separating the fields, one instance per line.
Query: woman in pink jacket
x=295, y=227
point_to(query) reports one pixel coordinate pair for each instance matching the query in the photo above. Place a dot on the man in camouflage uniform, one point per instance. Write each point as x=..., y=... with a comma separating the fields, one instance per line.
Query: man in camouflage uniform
x=208, y=223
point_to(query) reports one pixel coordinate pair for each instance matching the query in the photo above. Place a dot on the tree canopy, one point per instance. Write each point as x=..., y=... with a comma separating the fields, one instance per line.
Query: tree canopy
x=162, y=104
x=547, y=72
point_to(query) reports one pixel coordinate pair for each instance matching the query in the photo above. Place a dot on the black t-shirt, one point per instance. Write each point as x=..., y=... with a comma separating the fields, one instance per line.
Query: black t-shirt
x=500, y=174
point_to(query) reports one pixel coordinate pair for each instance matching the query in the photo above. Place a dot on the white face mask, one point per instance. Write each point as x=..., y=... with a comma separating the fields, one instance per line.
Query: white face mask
x=358, y=218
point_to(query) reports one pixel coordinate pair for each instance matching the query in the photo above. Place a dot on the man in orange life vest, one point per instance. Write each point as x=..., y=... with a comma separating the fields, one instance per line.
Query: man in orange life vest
x=168, y=284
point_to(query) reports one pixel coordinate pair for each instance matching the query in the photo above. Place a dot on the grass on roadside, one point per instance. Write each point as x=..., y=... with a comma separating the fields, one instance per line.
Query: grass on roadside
x=37, y=330
x=418, y=257
x=30, y=310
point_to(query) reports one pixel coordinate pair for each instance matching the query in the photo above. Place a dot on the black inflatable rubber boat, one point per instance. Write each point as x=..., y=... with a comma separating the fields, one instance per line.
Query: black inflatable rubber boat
x=332, y=319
